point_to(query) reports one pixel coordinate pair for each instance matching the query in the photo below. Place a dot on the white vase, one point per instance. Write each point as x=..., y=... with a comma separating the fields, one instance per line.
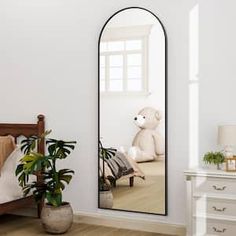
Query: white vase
x=106, y=199
x=57, y=220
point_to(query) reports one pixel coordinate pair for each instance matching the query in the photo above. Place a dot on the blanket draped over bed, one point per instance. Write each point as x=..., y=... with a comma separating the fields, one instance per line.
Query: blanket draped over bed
x=119, y=165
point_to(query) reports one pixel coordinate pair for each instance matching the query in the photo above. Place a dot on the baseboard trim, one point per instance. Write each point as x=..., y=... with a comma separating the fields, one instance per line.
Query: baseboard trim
x=127, y=223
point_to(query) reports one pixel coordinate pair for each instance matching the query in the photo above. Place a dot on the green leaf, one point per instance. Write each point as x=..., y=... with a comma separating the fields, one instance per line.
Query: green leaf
x=60, y=149
x=61, y=185
x=46, y=133
x=64, y=175
x=29, y=144
x=26, y=190
x=66, y=178
x=65, y=171
x=19, y=169
x=54, y=199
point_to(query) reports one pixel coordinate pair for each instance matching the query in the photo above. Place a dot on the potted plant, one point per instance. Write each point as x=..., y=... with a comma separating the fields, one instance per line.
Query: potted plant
x=105, y=194
x=215, y=158
x=56, y=215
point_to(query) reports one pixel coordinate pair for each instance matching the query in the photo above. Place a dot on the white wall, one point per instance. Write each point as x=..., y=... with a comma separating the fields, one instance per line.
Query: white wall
x=48, y=64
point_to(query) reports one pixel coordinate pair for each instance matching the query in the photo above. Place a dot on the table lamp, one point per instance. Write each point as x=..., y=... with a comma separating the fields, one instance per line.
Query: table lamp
x=227, y=138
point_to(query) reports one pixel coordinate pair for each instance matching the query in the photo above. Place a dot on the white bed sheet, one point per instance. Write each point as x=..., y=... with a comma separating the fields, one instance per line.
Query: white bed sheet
x=9, y=187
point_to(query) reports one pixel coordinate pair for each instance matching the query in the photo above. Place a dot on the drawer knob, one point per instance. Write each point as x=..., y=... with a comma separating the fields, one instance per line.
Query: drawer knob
x=219, y=230
x=219, y=188
x=218, y=209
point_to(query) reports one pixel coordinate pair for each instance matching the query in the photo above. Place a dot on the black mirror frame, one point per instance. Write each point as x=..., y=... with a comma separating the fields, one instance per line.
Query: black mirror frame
x=166, y=112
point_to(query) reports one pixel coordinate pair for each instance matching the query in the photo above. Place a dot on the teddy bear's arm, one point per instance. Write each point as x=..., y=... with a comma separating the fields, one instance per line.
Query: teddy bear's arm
x=136, y=140
x=159, y=144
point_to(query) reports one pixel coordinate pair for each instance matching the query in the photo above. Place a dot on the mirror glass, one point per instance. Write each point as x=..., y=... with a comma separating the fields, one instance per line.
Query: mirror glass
x=132, y=113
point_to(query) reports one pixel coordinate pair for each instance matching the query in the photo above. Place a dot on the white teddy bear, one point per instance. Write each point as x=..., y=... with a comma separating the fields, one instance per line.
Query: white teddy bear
x=148, y=143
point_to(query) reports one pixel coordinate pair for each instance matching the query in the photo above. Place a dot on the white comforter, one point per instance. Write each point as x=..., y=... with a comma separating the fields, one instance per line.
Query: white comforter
x=9, y=187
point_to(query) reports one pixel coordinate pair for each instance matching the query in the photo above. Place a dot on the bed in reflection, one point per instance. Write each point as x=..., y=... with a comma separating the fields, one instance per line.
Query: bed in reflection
x=136, y=186
x=122, y=167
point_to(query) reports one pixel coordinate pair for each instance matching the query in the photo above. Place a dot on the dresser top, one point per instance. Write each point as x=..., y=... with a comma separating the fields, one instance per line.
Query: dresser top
x=210, y=173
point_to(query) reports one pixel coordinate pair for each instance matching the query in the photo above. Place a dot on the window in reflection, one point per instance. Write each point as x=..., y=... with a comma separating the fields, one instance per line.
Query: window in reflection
x=123, y=64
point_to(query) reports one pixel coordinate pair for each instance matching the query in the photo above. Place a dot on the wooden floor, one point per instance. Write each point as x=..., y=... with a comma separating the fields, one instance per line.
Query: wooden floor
x=27, y=226
x=146, y=195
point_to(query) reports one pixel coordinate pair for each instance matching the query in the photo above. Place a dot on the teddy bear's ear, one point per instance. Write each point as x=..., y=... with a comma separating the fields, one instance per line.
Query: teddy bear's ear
x=141, y=111
x=158, y=115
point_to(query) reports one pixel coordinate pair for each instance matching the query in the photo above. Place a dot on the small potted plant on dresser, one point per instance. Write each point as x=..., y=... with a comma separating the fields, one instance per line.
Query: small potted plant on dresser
x=56, y=215
x=105, y=194
x=215, y=158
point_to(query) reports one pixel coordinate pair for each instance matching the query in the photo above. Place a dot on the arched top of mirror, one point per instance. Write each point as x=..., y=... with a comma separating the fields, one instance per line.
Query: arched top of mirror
x=134, y=21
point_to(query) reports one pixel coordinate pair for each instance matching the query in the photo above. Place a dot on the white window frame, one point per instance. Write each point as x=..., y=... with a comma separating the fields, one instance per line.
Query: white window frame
x=126, y=34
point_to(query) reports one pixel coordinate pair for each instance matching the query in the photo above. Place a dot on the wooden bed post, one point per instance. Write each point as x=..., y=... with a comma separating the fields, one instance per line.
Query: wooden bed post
x=131, y=181
x=41, y=127
x=41, y=149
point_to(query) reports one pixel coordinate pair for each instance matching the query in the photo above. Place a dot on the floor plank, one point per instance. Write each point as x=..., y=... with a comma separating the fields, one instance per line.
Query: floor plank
x=28, y=226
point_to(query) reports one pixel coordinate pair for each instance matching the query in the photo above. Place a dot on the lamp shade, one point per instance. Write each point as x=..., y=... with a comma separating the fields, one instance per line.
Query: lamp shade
x=227, y=135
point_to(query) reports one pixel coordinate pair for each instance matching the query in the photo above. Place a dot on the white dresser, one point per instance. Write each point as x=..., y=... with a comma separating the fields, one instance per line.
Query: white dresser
x=211, y=203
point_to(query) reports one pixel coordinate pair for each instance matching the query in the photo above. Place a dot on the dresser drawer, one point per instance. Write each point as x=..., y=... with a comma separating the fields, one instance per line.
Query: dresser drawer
x=215, y=207
x=207, y=227
x=208, y=185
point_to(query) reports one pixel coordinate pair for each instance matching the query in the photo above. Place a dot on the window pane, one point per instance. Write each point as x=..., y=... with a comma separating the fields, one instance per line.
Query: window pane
x=102, y=73
x=133, y=44
x=102, y=61
x=134, y=59
x=116, y=85
x=116, y=46
x=103, y=47
x=102, y=85
x=134, y=85
x=134, y=72
x=116, y=73
x=116, y=60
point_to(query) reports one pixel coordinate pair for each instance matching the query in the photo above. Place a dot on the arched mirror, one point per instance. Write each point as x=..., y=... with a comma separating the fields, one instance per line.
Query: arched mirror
x=132, y=113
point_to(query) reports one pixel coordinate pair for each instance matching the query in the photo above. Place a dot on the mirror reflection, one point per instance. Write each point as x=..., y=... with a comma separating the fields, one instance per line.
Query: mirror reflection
x=132, y=108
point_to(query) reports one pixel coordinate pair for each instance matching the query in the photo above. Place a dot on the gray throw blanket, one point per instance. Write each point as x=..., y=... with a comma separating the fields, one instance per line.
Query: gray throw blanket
x=119, y=165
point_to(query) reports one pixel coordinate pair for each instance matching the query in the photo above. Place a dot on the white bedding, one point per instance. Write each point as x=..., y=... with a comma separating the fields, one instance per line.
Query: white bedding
x=9, y=187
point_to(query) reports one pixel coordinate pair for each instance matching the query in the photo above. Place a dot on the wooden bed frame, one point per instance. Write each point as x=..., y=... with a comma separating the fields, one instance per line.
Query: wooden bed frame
x=131, y=181
x=26, y=130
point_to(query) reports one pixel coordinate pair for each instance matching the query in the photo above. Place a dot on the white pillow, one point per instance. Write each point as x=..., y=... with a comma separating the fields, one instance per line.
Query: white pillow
x=8, y=181
x=9, y=186
x=12, y=161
